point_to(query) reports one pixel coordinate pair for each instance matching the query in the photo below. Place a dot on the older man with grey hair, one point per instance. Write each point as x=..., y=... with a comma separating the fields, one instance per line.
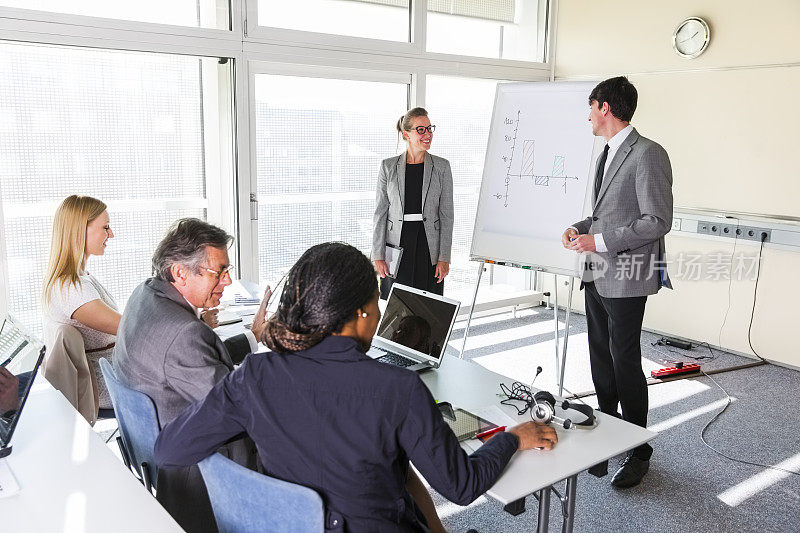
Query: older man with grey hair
x=166, y=351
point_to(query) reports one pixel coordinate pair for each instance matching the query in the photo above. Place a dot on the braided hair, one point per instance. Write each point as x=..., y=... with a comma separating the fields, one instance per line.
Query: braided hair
x=323, y=290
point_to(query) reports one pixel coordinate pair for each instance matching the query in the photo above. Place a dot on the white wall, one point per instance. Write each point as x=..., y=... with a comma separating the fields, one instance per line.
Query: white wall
x=729, y=121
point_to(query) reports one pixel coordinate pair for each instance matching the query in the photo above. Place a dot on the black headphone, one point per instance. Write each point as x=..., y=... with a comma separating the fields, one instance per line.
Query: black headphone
x=544, y=412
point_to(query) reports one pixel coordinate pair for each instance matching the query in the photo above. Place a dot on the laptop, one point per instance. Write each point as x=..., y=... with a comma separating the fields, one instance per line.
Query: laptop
x=21, y=356
x=414, y=329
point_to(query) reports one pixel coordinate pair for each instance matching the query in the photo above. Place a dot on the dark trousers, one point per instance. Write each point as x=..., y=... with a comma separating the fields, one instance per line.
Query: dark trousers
x=415, y=268
x=615, y=352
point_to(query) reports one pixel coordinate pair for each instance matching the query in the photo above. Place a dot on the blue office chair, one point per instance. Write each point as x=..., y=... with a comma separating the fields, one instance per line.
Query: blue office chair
x=244, y=501
x=138, y=425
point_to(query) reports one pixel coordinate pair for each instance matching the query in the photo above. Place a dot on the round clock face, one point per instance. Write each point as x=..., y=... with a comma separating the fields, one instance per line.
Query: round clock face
x=691, y=38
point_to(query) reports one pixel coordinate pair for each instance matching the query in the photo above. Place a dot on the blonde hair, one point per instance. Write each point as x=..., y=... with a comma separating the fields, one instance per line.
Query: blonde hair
x=404, y=124
x=68, y=243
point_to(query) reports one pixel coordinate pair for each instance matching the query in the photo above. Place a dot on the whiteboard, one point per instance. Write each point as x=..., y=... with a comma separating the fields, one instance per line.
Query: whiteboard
x=536, y=177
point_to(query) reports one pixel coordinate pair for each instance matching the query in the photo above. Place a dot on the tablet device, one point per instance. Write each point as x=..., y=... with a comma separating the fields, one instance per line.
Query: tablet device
x=466, y=425
x=20, y=358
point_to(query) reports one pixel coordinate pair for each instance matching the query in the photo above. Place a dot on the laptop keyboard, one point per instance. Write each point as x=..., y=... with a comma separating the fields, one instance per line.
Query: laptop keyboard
x=397, y=360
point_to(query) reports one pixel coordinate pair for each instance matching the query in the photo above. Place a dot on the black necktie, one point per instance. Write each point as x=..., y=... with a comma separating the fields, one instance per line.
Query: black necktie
x=601, y=168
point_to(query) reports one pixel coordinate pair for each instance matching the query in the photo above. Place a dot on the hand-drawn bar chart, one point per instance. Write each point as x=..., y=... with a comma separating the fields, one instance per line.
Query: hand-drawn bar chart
x=526, y=168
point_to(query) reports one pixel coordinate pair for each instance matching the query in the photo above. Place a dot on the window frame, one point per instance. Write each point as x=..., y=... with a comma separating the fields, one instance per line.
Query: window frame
x=249, y=266
x=252, y=49
x=275, y=35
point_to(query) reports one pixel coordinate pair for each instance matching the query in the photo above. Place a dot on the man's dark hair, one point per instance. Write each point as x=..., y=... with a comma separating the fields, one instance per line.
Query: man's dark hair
x=620, y=94
x=323, y=290
x=185, y=244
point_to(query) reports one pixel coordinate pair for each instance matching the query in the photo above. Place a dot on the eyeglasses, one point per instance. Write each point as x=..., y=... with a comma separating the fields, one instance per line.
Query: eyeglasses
x=422, y=129
x=219, y=273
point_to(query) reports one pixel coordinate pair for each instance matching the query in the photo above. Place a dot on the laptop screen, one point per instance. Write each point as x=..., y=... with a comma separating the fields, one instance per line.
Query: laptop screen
x=20, y=357
x=420, y=322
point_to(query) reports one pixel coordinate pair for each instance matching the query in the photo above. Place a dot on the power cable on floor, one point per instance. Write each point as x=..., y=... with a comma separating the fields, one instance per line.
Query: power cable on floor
x=722, y=454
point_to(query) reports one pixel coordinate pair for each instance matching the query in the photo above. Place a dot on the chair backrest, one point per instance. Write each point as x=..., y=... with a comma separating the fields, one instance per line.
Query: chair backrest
x=65, y=366
x=138, y=423
x=244, y=500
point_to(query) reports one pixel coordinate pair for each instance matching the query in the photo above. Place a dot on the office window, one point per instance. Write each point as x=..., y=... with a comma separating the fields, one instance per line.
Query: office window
x=319, y=143
x=376, y=19
x=131, y=129
x=192, y=13
x=501, y=29
x=461, y=108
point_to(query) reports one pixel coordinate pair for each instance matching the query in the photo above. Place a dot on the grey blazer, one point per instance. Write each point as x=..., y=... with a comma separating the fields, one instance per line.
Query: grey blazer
x=166, y=352
x=633, y=211
x=437, y=206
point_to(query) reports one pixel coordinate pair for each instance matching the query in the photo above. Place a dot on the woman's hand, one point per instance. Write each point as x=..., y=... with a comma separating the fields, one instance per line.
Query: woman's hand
x=9, y=391
x=381, y=268
x=210, y=317
x=442, y=270
x=260, y=320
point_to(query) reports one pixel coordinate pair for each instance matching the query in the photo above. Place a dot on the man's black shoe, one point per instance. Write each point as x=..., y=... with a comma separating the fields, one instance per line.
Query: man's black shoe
x=600, y=469
x=631, y=473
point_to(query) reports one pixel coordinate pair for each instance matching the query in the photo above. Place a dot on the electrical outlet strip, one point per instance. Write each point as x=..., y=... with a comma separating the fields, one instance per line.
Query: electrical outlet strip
x=687, y=368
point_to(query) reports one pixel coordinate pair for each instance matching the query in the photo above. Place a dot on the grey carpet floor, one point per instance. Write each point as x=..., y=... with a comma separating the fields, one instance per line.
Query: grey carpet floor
x=689, y=487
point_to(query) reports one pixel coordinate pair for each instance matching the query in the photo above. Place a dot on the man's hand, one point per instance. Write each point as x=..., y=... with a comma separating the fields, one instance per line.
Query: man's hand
x=260, y=320
x=9, y=390
x=583, y=244
x=381, y=268
x=566, y=237
x=442, y=270
x=210, y=317
x=533, y=435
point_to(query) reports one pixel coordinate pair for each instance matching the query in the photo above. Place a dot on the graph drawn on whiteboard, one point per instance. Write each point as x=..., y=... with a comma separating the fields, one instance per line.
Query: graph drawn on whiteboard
x=524, y=173
x=536, y=174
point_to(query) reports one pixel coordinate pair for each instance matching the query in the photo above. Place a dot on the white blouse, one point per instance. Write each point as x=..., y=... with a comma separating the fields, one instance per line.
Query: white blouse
x=64, y=302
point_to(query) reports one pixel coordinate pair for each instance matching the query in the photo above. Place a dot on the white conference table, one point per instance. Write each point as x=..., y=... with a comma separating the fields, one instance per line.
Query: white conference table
x=471, y=387
x=70, y=481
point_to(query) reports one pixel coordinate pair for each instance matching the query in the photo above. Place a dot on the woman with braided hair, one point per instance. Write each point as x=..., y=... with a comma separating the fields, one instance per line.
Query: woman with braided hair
x=325, y=415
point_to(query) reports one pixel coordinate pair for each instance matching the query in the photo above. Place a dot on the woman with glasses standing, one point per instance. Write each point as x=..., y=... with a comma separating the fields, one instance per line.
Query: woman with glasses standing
x=71, y=295
x=414, y=210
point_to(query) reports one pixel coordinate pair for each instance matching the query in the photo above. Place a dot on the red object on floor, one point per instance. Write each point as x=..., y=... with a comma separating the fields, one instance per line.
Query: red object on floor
x=687, y=368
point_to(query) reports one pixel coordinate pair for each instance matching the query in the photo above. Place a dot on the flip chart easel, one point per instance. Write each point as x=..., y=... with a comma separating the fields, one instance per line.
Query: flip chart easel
x=561, y=358
x=536, y=183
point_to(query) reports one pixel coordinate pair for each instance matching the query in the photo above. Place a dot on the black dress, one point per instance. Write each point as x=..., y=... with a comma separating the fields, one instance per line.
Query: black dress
x=415, y=267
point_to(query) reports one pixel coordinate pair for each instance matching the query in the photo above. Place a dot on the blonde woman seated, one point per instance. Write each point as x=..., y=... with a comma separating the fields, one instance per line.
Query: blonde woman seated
x=71, y=295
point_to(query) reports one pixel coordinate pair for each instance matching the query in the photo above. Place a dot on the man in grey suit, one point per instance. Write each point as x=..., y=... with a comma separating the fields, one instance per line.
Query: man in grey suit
x=166, y=351
x=163, y=348
x=625, y=259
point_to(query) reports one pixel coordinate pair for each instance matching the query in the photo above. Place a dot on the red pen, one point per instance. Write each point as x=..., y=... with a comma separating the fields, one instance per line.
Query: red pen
x=489, y=432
